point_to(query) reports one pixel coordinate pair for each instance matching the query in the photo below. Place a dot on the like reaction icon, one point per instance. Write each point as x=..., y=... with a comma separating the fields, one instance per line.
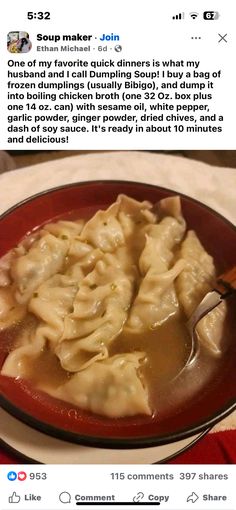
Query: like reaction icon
x=12, y=476
x=14, y=498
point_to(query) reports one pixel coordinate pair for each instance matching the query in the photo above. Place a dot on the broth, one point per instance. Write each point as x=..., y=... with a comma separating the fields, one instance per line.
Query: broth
x=167, y=348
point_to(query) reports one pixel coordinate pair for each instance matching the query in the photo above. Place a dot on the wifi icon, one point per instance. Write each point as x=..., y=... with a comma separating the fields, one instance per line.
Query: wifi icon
x=194, y=15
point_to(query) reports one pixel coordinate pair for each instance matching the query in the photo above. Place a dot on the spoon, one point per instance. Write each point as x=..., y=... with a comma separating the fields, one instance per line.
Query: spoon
x=225, y=287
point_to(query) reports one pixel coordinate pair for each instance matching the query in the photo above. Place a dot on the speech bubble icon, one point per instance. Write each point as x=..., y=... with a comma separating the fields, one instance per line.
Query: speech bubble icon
x=65, y=497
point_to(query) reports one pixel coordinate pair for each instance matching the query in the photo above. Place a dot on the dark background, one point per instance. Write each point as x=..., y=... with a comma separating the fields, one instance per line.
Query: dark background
x=18, y=159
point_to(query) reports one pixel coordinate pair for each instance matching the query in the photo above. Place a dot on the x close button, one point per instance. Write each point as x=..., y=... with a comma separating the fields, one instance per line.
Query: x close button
x=222, y=38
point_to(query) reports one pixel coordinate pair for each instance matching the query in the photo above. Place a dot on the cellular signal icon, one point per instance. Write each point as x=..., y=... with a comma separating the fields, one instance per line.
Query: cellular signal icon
x=179, y=16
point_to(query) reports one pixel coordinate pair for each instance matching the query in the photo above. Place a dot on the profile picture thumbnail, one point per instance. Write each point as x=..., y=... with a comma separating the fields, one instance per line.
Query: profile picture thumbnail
x=18, y=42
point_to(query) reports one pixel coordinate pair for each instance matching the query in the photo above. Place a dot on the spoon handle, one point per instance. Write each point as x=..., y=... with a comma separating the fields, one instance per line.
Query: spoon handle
x=226, y=283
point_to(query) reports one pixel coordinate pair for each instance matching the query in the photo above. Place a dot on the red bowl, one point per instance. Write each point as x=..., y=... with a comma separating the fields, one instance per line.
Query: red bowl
x=64, y=420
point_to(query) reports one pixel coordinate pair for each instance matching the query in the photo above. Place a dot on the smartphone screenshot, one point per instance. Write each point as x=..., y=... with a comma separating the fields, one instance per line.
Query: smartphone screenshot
x=117, y=255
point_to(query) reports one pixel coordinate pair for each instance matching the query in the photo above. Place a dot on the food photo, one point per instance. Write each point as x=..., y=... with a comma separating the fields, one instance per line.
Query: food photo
x=117, y=308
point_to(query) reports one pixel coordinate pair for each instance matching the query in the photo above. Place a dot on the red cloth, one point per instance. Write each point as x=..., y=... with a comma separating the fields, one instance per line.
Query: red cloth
x=217, y=448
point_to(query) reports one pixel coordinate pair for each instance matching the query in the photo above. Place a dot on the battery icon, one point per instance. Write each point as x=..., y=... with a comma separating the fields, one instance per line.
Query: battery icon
x=211, y=15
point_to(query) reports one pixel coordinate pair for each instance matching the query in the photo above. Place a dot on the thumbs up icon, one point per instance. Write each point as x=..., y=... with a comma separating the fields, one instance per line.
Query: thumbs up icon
x=14, y=498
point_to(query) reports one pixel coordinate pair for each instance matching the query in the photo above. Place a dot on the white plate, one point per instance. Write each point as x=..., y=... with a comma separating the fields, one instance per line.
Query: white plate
x=42, y=448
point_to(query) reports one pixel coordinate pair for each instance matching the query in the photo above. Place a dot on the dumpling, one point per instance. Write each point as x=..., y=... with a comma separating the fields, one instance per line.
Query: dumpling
x=28, y=348
x=133, y=214
x=103, y=230
x=65, y=229
x=133, y=207
x=100, y=311
x=44, y=259
x=170, y=206
x=156, y=300
x=163, y=237
x=109, y=229
x=193, y=283
x=89, y=338
x=158, y=246
x=211, y=329
x=5, y=265
x=11, y=312
x=199, y=273
x=81, y=255
x=51, y=303
x=111, y=387
x=84, y=255
x=134, y=218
